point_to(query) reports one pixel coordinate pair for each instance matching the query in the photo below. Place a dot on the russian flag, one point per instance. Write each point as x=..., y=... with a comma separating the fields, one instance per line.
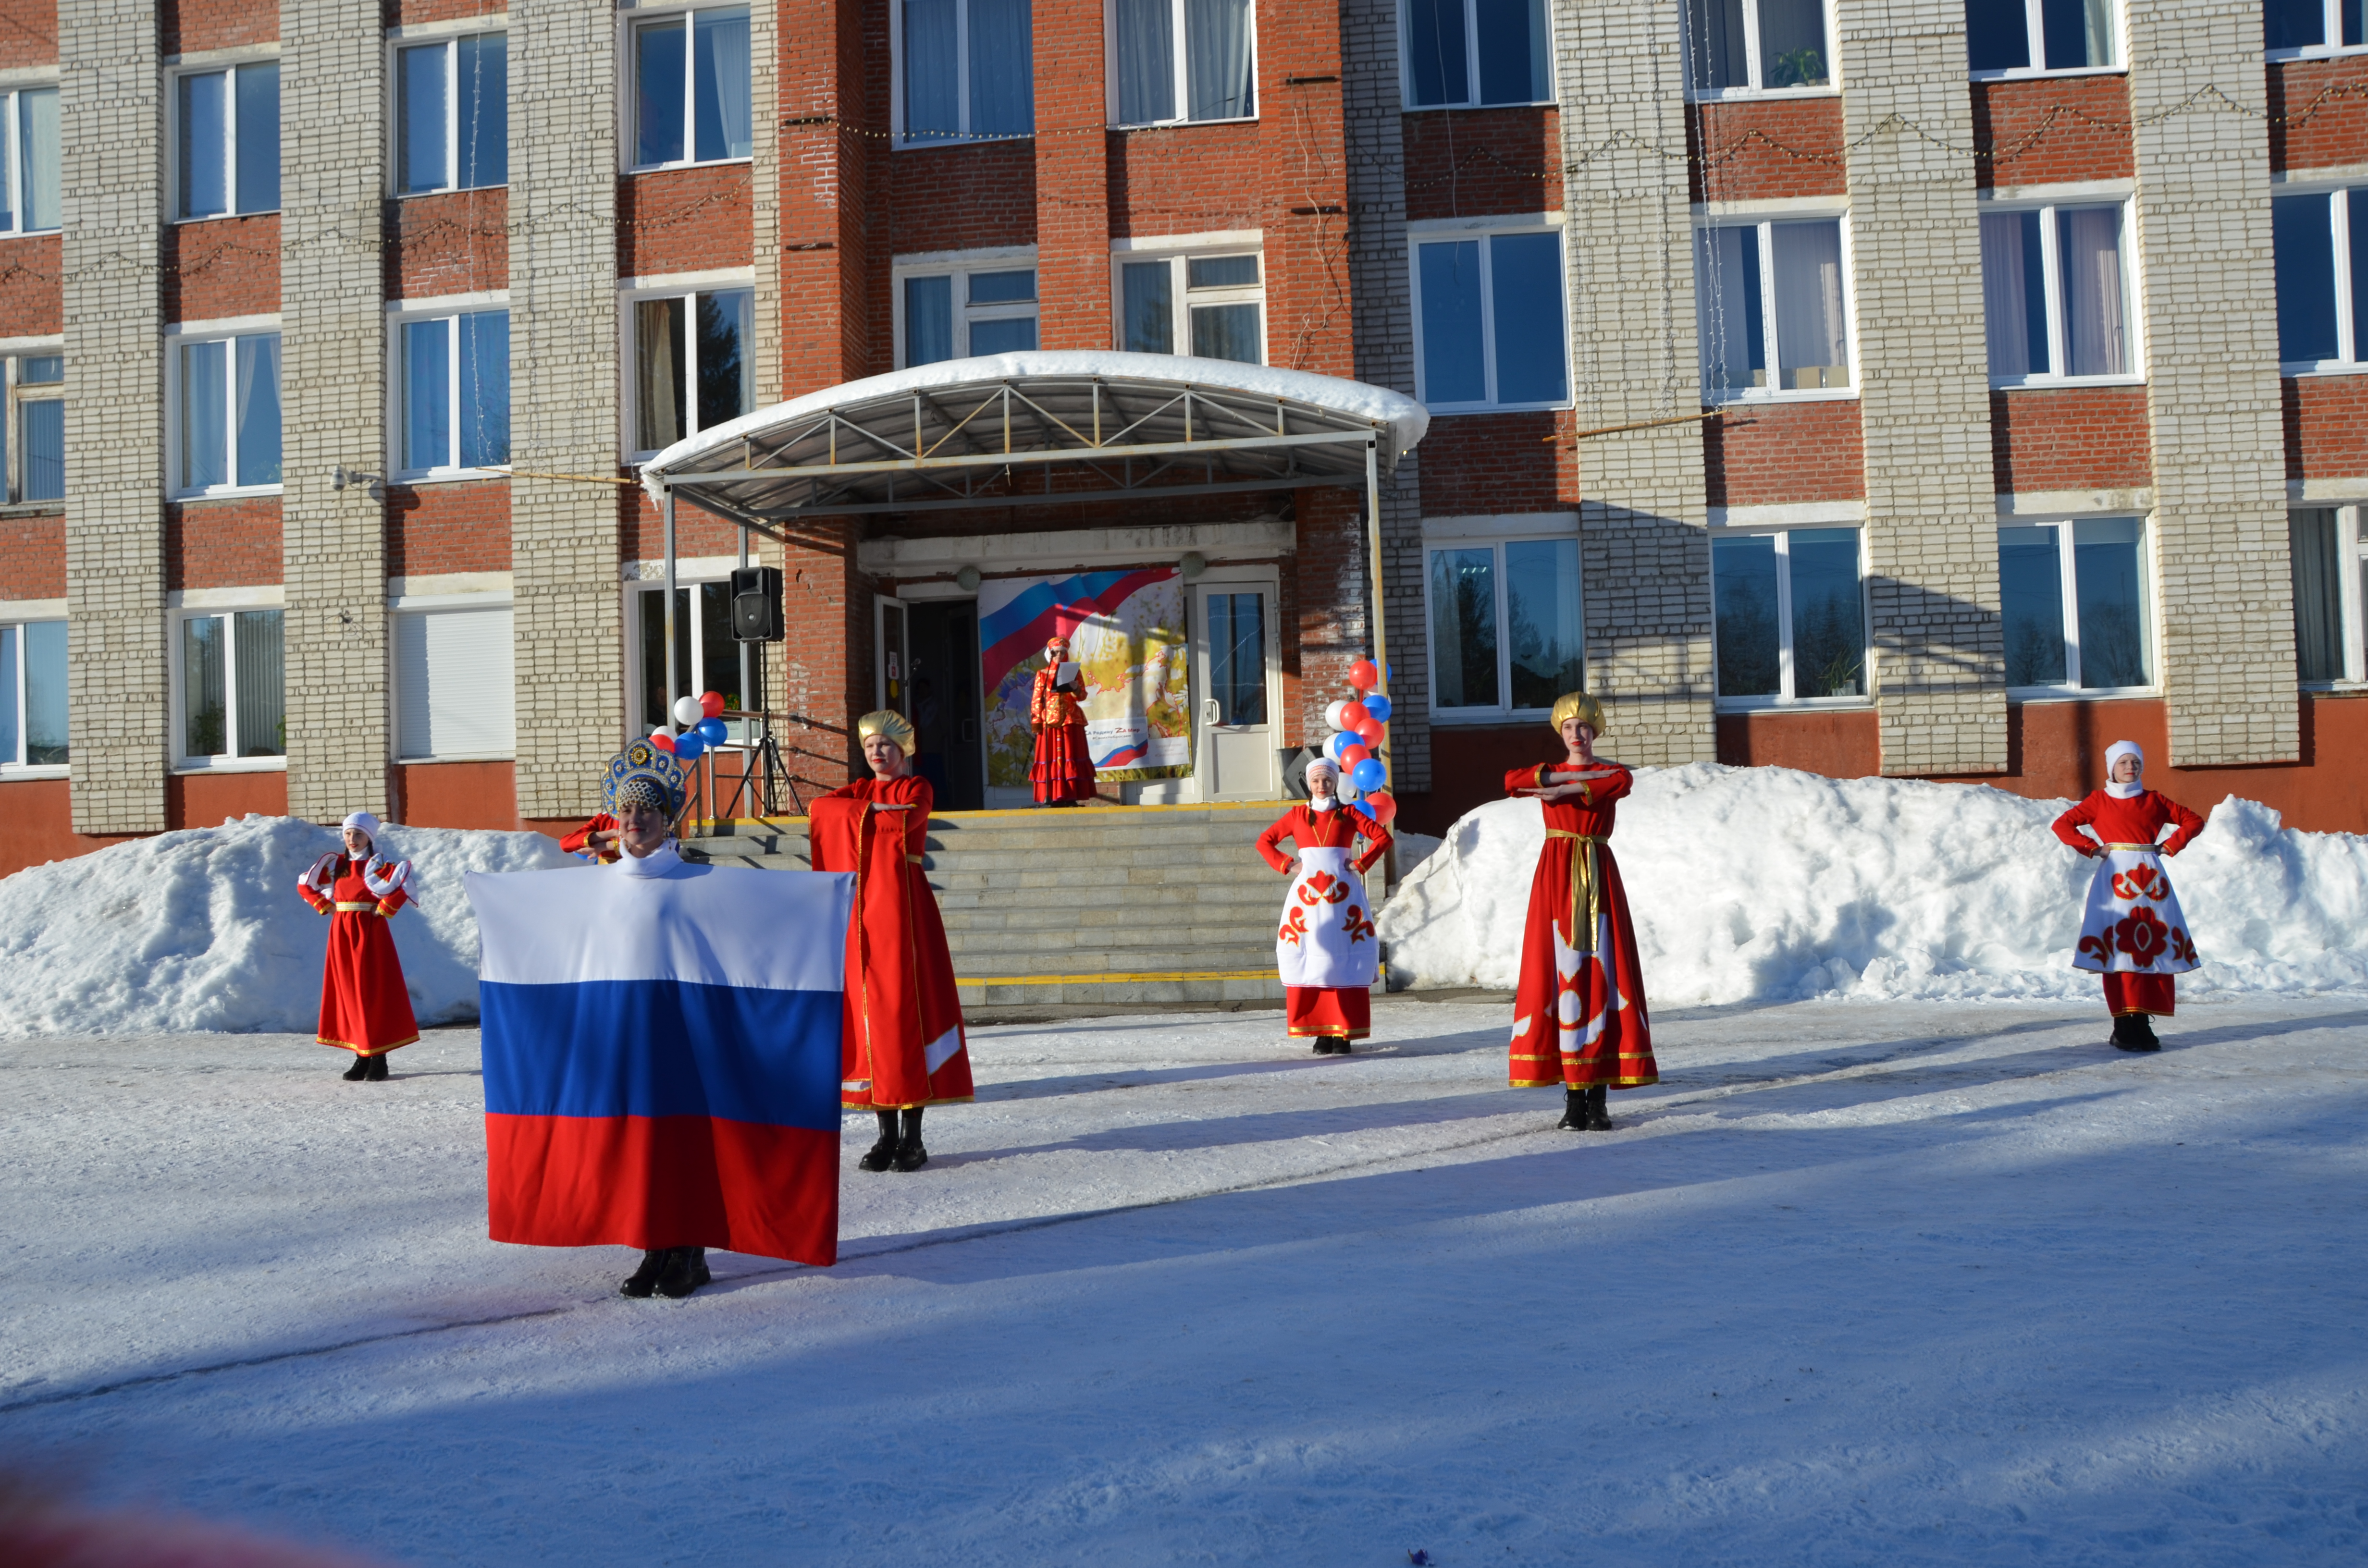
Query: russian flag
x=662, y=1057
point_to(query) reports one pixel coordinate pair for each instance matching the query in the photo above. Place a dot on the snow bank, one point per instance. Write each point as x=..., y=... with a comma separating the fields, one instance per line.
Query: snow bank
x=1767, y=884
x=202, y=930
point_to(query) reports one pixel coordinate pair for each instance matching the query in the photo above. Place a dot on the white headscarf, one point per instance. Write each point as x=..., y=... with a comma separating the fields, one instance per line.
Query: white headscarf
x=367, y=823
x=1324, y=765
x=2114, y=755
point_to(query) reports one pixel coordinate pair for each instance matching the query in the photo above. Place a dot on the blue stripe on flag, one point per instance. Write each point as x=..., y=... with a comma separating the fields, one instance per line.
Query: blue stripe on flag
x=662, y=1048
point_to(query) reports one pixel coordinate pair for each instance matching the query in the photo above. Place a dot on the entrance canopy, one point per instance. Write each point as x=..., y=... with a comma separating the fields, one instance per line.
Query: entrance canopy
x=1038, y=429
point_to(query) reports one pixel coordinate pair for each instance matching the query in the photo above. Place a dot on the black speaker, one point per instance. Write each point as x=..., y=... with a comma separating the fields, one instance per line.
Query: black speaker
x=756, y=604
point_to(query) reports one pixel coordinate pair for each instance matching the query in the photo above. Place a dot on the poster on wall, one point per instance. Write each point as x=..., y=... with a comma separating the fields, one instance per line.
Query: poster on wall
x=1126, y=633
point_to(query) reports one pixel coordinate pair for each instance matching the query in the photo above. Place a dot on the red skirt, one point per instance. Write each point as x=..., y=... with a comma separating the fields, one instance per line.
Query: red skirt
x=2155, y=994
x=365, y=1007
x=1579, y=1017
x=1063, y=769
x=1311, y=1012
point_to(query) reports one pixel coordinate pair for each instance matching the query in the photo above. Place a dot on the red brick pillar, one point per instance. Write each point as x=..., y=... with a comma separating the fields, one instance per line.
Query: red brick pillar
x=1073, y=276
x=1306, y=176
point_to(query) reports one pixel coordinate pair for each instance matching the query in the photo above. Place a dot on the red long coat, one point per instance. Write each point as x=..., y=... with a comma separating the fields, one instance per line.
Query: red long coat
x=1579, y=1017
x=1062, y=767
x=364, y=1005
x=904, y=1044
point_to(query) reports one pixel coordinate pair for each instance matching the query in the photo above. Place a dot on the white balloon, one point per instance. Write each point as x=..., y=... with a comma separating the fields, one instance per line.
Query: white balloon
x=687, y=712
x=1334, y=742
x=1332, y=714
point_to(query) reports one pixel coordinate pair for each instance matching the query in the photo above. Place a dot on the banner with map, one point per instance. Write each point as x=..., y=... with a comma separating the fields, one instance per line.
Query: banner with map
x=1126, y=633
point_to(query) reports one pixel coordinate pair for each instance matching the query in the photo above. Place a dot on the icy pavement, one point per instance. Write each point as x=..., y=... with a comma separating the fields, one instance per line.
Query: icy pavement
x=1895, y=1283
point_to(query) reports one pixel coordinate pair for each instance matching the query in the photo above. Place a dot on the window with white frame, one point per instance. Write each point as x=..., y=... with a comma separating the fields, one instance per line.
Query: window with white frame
x=2322, y=308
x=1459, y=52
x=226, y=126
x=1211, y=305
x=2310, y=27
x=694, y=363
x=1489, y=320
x=33, y=694
x=1790, y=616
x=452, y=114
x=1174, y=60
x=2056, y=293
x=453, y=686
x=691, y=88
x=966, y=69
x=2330, y=553
x=1773, y=299
x=1507, y=633
x=2016, y=38
x=226, y=401
x=452, y=378
x=707, y=657
x=1757, y=45
x=34, y=434
x=956, y=310
x=29, y=143
x=230, y=671
x=2072, y=596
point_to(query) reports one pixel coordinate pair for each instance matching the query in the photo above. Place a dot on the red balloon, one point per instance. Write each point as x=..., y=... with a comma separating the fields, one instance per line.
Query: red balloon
x=662, y=741
x=1371, y=732
x=1353, y=716
x=1381, y=807
x=1363, y=676
x=711, y=703
x=1351, y=755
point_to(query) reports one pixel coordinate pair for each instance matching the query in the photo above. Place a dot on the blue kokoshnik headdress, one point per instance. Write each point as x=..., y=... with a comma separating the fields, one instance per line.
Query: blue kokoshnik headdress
x=642, y=774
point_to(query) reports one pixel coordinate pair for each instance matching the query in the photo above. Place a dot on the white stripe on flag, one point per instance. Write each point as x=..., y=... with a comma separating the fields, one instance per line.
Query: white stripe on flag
x=704, y=925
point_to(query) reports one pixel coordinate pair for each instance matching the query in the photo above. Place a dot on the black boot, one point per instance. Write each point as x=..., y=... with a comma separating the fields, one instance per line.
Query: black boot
x=644, y=1279
x=910, y=1155
x=2142, y=1032
x=1324, y=1045
x=378, y=1068
x=884, y=1154
x=2126, y=1034
x=1574, y=1111
x=357, y=1071
x=1598, y=1119
x=1340, y=1045
x=684, y=1271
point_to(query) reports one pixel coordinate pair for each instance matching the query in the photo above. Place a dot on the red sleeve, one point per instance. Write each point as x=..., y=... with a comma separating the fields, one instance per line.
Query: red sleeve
x=2069, y=825
x=1603, y=791
x=320, y=905
x=1269, y=843
x=1375, y=834
x=580, y=841
x=916, y=791
x=393, y=901
x=1522, y=778
x=2190, y=824
x=834, y=826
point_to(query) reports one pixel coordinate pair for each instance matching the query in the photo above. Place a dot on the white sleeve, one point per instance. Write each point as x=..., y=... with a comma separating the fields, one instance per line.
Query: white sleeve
x=318, y=877
x=382, y=877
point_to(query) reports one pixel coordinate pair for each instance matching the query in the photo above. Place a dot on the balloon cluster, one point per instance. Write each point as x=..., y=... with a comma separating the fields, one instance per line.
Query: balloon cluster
x=1356, y=739
x=702, y=726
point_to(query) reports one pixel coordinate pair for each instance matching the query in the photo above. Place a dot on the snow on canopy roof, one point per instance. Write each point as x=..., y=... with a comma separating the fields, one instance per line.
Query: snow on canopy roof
x=1059, y=393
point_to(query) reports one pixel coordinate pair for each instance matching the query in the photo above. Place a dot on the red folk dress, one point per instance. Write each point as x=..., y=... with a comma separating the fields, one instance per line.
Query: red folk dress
x=1327, y=930
x=904, y=1045
x=580, y=841
x=1063, y=768
x=2133, y=932
x=1578, y=1018
x=364, y=1005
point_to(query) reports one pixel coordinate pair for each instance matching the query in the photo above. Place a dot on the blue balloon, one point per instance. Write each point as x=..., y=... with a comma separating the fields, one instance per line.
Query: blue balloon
x=688, y=745
x=1336, y=740
x=1377, y=708
x=1368, y=776
x=712, y=731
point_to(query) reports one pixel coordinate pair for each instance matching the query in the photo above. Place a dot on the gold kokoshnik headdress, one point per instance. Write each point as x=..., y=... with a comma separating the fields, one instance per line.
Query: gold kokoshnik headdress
x=889, y=723
x=643, y=775
x=1578, y=705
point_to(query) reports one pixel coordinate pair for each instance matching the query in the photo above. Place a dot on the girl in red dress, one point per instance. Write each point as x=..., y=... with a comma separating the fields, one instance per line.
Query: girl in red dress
x=2132, y=933
x=905, y=1048
x=1328, y=950
x=1063, y=770
x=1578, y=1020
x=364, y=1007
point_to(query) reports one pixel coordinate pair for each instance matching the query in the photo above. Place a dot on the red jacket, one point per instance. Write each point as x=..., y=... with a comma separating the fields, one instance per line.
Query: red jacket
x=1339, y=828
x=580, y=841
x=2139, y=820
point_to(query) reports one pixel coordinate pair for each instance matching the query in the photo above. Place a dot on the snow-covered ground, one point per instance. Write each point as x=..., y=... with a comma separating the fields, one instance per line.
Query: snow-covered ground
x=1862, y=1282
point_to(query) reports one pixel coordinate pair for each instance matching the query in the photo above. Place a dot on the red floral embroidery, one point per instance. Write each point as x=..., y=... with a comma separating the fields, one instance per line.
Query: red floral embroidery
x=2143, y=935
x=2097, y=948
x=1294, y=927
x=2182, y=951
x=2140, y=882
x=1357, y=925
x=1322, y=887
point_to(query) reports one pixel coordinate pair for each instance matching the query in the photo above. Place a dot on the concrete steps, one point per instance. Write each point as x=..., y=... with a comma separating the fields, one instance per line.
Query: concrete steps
x=1142, y=904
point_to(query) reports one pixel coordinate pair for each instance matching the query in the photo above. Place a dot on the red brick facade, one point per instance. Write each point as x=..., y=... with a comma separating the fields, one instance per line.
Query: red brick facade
x=2069, y=439
x=1756, y=152
x=2053, y=131
x=1483, y=162
x=223, y=544
x=1765, y=454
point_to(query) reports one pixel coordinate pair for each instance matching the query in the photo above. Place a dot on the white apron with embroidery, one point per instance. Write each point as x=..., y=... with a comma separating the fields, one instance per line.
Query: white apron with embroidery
x=2133, y=923
x=1327, y=937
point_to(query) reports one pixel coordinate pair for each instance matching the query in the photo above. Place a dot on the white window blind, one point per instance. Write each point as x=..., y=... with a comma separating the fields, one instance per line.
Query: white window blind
x=452, y=683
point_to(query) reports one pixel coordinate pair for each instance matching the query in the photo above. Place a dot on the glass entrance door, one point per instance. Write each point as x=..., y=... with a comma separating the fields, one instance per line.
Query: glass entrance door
x=1236, y=658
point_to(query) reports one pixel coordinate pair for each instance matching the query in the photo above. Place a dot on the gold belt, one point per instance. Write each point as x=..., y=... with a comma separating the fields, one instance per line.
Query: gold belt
x=357, y=908
x=2154, y=846
x=1586, y=887
x=912, y=860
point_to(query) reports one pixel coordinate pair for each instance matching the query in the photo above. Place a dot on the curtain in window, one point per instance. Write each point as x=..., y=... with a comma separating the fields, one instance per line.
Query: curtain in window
x=2077, y=33
x=1146, y=61
x=1793, y=43
x=2318, y=595
x=1726, y=262
x=259, y=138
x=2108, y=575
x=43, y=431
x=419, y=141
x=45, y=692
x=7, y=186
x=1715, y=50
x=205, y=442
x=484, y=389
x=1221, y=331
x=722, y=85
x=257, y=413
x=204, y=697
x=657, y=373
x=657, y=93
x=929, y=320
x=8, y=729
x=2006, y=305
x=427, y=394
x=1812, y=337
x=485, y=90
x=1217, y=59
x=1435, y=50
x=1148, y=290
x=2094, y=339
x=38, y=126
x=1002, y=68
x=932, y=90
x=203, y=140
x=262, y=712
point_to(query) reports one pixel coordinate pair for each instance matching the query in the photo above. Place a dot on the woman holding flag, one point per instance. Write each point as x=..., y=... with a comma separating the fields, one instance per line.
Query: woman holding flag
x=365, y=1007
x=904, y=1047
x=1578, y=1020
